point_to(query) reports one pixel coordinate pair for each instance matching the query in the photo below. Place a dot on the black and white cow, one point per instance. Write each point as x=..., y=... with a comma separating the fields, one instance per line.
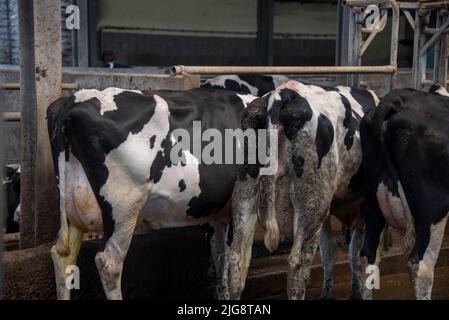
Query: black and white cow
x=255, y=84
x=112, y=154
x=11, y=185
x=405, y=143
x=319, y=155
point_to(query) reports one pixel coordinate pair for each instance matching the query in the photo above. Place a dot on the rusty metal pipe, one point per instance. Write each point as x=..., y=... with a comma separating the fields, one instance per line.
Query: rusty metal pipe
x=11, y=116
x=182, y=70
x=16, y=86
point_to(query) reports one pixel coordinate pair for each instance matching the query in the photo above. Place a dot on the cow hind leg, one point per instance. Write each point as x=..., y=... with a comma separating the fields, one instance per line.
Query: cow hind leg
x=61, y=262
x=422, y=271
x=328, y=252
x=355, y=246
x=110, y=261
x=244, y=221
x=219, y=254
x=310, y=215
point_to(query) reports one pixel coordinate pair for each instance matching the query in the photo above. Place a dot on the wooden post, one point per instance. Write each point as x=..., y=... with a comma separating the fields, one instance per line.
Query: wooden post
x=41, y=84
x=264, y=42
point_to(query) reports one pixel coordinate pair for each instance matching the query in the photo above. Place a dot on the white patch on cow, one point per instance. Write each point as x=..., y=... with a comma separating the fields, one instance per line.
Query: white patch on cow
x=220, y=81
x=106, y=97
x=355, y=106
x=391, y=207
x=246, y=99
x=442, y=91
x=17, y=214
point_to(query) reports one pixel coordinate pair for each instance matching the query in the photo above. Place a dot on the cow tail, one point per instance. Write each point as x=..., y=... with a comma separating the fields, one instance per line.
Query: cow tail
x=382, y=115
x=267, y=192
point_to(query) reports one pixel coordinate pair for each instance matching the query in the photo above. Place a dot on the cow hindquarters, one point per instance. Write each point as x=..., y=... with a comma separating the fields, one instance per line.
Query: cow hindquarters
x=61, y=263
x=244, y=219
x=422, y=271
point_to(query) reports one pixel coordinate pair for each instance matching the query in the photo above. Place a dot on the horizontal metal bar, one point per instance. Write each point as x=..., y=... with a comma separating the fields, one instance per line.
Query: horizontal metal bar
x=428, y=30
x=16, y=86
x=11, y=116
x=408, y=5
x=434, y=5
x=182, y=70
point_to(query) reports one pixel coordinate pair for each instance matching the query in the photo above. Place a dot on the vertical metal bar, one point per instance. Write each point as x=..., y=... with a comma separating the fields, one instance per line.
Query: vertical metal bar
x=394, y=42
x=48, y=59
x=416, y=69
x=350, y=47
x=437, y=49
x=28, y=126
x=82, y=35
x=264, y=42
x=92, y=32
x=2, y=209
x=444, y=52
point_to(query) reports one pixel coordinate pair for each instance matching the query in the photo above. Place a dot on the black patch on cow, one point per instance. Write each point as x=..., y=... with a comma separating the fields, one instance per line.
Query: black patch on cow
x=152, y=140
x=161, y=161
x=263, y=83
x=356, y=182
x=298, y=165
x=293, y=111
x=326, y=88
x=348, y=122
x=182, y=185
x=324, y=137
x=364, y=98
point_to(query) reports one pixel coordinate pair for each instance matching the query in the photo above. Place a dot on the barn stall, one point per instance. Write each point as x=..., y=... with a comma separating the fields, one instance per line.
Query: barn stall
x=157, y=266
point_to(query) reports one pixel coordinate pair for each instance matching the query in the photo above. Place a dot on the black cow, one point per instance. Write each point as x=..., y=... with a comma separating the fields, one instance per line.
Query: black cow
x=405, y=143
x=113, y=153
x=11, y=184
x=257, y=85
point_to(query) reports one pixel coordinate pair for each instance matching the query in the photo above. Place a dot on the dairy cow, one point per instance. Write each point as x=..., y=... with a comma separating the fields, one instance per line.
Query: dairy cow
x=319, y=169
x=114, y=170
x=405, y=143
x=257, y=85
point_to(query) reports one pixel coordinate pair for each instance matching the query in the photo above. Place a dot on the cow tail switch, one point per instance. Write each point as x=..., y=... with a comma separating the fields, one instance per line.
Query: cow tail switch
x=272, y=236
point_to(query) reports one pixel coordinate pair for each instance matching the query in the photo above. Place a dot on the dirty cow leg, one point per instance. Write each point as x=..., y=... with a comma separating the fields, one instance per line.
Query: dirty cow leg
x=371, y=253
x=328, y=252
x=61, y=263
x=357, y=285
x=311, y=203
x=422, y=271
x=244, y=220
x=110, y=262
x=219, y=253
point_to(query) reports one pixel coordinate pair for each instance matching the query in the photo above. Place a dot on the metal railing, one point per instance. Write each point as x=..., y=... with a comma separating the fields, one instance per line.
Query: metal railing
x=356, y=49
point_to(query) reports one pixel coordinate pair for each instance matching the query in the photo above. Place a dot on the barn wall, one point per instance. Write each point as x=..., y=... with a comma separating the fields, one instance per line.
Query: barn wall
x=213, y=32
